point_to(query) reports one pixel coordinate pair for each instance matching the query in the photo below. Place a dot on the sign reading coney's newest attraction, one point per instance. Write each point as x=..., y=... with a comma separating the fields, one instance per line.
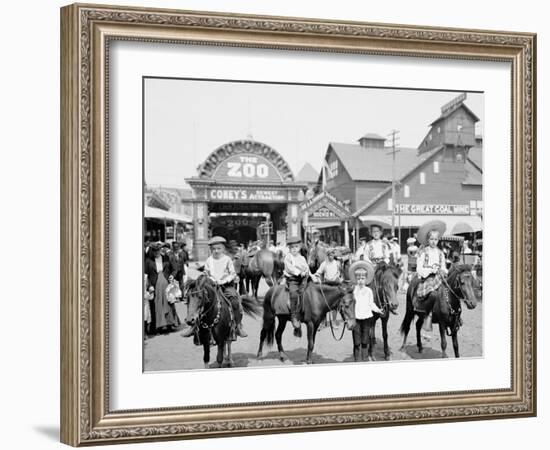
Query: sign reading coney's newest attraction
x=247, y=168
x=257, y=195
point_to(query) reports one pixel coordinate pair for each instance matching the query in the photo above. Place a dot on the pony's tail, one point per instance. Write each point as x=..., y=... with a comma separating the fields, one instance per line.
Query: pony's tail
x=269, y=319
x=250, y=306
x=409, y=315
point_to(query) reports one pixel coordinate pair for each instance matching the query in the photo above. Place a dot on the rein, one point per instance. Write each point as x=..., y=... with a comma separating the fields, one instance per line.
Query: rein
x=330, y=316
x=454, y=313
x=383, y=304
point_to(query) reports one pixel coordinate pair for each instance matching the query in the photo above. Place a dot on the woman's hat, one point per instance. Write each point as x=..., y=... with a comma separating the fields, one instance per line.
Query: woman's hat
x=361, y=265
x=217, y=240
x=294, y=240
x=433, y=225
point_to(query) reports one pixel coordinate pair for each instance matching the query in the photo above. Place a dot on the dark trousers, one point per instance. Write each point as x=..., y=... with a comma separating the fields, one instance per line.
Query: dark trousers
x=363, y=338
x=295, y=289
x=231, y=294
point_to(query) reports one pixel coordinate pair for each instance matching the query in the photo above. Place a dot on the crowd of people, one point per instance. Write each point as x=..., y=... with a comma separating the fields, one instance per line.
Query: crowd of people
x=165, y=270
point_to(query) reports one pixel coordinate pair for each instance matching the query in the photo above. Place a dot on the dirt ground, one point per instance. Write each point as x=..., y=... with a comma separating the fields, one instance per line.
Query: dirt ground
x=172, y=352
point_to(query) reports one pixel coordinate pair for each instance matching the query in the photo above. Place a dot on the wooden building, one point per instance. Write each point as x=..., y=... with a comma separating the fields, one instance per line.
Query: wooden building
x=441, y=178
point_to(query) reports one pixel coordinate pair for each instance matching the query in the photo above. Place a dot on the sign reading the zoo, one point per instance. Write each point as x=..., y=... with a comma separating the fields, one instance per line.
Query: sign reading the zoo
x=247, y=195
x=247, y=168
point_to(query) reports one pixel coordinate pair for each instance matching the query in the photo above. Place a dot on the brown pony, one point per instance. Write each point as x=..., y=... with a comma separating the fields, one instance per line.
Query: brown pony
x=267, y=264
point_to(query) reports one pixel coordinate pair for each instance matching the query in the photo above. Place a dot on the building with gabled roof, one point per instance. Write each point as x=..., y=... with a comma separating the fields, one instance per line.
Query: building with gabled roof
x=441, y=178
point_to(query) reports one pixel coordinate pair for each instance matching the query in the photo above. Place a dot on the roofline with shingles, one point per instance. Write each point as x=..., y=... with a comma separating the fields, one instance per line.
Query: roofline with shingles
x=384, y=191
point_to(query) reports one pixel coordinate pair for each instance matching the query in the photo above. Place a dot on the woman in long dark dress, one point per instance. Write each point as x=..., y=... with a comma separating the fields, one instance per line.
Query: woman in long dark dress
x=160, y=273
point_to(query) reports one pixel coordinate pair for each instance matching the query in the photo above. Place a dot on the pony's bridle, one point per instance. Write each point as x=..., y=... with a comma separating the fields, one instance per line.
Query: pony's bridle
x=200, y=293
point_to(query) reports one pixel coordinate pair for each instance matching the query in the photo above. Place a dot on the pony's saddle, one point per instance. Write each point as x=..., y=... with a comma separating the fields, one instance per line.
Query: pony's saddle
x=281, y=301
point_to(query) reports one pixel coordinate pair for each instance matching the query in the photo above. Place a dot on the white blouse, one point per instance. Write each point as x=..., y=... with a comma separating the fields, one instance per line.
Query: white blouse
x=295, y=265
x=158, y=263
x=221, y=269
x=364, y=302
x=427, y=259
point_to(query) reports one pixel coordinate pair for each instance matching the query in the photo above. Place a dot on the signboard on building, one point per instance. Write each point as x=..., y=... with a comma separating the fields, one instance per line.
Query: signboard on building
x=247, y=195
x=324, y=213
x=247, y=168
x=435, y=209
x=453, y=103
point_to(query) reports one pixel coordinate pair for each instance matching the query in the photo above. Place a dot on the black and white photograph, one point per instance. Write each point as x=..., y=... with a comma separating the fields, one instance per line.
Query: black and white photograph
x=288, y=224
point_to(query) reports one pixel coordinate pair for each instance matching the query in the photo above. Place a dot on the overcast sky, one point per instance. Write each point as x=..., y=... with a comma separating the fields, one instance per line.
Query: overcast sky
x=185, y=120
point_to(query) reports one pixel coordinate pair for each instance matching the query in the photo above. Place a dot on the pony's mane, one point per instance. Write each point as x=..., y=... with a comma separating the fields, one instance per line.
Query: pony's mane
x=200, y=283
x=396, y=271
x=456, y=271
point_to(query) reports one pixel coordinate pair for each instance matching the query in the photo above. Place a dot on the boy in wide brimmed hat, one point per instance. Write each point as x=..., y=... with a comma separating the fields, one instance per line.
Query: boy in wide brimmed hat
x=430, y=262
x=361, y=273
x=220, y=269
x=296, y=273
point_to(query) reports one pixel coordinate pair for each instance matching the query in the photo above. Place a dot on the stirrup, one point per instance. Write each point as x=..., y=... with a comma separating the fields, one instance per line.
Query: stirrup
x=240, y=331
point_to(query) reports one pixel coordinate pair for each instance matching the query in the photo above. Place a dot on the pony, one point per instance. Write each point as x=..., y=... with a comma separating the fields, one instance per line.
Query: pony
x=211, y=313
x=316, y=255
x=264, y=263
x=445, y=305
x=317, y=301
x=385, y=286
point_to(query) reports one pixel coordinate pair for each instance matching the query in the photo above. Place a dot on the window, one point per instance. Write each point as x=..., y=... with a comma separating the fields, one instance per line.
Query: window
x=439, y=129
x=422, y=178
x=459, y=157
x=390, y=204
x=333, y=169
x=406, y=191
x=430, y=137
x=436, y=166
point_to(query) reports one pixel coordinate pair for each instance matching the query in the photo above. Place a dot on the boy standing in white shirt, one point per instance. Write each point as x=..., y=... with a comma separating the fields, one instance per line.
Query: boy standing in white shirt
x=361, y=274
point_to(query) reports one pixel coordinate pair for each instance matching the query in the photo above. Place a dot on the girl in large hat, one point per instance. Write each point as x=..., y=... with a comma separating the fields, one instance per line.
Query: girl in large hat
x=361, y=273
x=430, y=261
x=296, y=273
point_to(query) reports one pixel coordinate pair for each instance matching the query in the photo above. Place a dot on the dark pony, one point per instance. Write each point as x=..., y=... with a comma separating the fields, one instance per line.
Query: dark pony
x=210, y=312
x=384, y=288
x=317, y=301
x=445, y=306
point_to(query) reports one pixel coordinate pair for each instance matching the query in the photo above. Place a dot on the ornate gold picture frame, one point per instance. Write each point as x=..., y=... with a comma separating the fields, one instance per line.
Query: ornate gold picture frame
x=87, y=32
